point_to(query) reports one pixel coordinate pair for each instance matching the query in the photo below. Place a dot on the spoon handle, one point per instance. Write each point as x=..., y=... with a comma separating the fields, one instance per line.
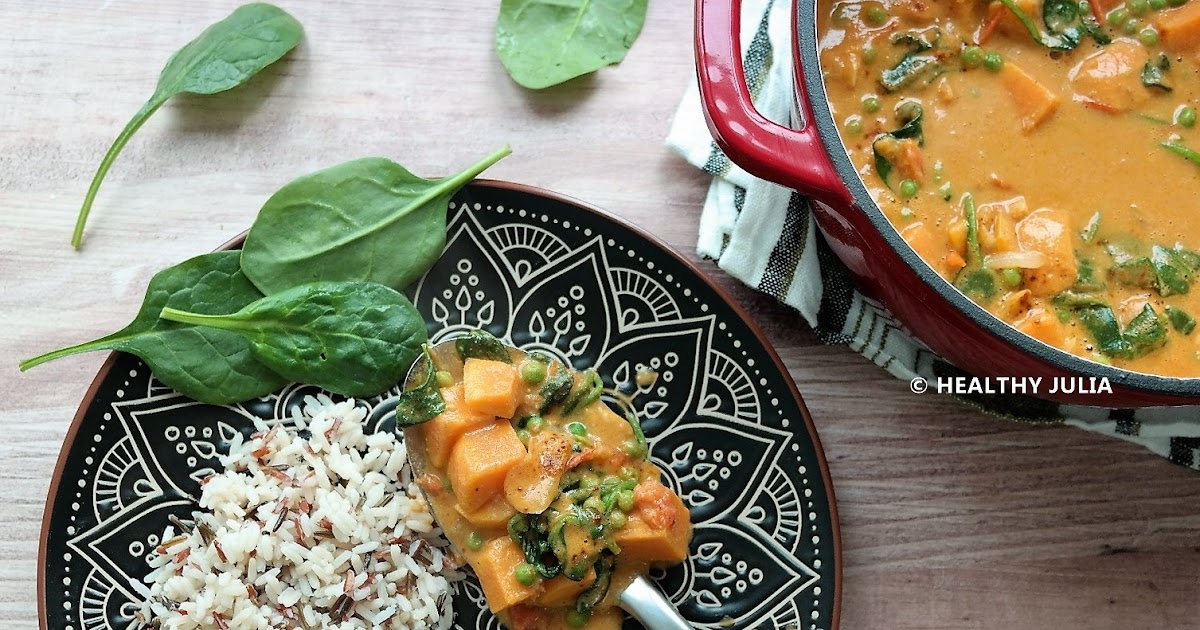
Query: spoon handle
x=647, y=604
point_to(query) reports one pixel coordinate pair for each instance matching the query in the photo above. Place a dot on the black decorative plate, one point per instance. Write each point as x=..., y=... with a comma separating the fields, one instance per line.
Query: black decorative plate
x=725, y=422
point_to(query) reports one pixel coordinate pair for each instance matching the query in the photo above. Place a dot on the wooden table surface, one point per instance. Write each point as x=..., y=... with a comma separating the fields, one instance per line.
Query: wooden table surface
x=949, y=518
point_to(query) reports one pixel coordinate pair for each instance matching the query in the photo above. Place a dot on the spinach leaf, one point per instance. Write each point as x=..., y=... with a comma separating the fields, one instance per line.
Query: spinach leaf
x=481, y=344
x=1171, y=274
x=974, y=279
x=206, y=364
x=916, y=63
x=351, y=338
x=910, y=116
x=529, y=532
x=546, y=42
x=1145, y=332
x=1102, y=323
x=366, y=220
x=556, y=389
x=423, y=402
x=1153, y=71
x=1180, y=320
x=223, y=57
x=1066, y=24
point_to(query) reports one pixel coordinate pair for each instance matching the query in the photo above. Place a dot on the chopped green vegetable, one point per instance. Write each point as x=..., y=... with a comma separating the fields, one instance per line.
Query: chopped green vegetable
x=909, y=114
x=918, y=62
x=1066, y=24
x=1171, y=274
x=351, y=338
x=1102, y=323
x=589, y=390
x=209, y=365
x=548, y=42
x=595, y=593
x=555, y=390
x=1153, y=73
x=1180, y=320
x=974, y=278
x=221, y=58
x=366, y=220
x=481, y=344
x=1182, y=151
x=423, y=402
x=1145, y=332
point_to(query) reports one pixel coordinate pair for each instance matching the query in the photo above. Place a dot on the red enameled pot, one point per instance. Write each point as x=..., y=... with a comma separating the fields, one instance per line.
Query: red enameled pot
x=813, y=161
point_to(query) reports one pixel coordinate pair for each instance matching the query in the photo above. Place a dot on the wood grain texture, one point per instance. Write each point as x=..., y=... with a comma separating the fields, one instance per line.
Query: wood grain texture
x=950, y=519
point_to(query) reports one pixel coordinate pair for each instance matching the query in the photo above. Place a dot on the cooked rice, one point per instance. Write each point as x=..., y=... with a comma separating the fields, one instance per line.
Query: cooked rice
x=327, y=531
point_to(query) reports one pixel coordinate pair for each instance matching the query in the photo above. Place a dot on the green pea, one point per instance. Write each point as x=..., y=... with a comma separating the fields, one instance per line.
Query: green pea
x=625, y=500
x=1118, y=17
x=972, y=56
x=875, y=15
x=1186, y=116
x=594, y=503
x=1148, y=36
x=533, y=372
x=474, y=541
x=577, y=429
x=588, y=482
x=610, y=481
x=1158, y=4
x=854, y=125
x=634, y=449
x=1138, y=7
x=534, y=423
x=443, y=378
x=908, y=189
x=523, y=435
x=1011, y=277
x=993, y=61
x=871, y=104
x=617, y=519
x=870, y=54
x=525, y=574
x=1064, y=315
x=578, y=618
x=907, y=212
x=630, y=472
x=1132, y=26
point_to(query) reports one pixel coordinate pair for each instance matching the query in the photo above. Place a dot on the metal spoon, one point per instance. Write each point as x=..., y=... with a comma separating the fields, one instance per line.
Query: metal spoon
x=641, y=599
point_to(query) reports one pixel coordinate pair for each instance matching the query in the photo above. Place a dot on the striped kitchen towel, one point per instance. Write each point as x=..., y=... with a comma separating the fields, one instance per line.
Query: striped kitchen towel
x=764, y=235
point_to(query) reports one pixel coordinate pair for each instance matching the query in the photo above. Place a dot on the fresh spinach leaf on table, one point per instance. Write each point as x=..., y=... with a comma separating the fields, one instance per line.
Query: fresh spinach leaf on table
x=206, y=364
x=546, y=42
x=351, y=338
x=223, y=57
x=367, y=220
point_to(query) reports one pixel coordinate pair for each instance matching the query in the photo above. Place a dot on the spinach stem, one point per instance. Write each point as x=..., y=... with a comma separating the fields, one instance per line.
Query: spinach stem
x=196, y=319
x=1182, y=151
x=105, y=343
x=131, y=128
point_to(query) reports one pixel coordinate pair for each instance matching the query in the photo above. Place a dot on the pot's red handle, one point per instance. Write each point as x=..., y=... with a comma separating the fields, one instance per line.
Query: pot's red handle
x=791, y=157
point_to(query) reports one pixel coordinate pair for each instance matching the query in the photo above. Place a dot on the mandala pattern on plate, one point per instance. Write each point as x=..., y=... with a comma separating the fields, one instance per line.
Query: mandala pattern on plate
x=542, y=274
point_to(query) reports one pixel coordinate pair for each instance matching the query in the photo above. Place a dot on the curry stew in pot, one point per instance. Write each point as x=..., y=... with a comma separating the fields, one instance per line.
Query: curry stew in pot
x=1041, y=155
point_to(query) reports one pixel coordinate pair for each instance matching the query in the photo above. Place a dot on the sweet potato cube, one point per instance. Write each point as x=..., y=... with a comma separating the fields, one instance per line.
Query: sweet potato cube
x=494, y=564
x=443, y=431
x=560, y=591
x=1035, y=102
x=1179, y=27
x=493, y=514
x=656, y=531
x=479, y=462
x=490, y=387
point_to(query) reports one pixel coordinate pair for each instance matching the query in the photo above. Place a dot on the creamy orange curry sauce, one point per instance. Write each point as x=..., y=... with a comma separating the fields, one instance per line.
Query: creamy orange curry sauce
x=1039, y=154
x=547, y=491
